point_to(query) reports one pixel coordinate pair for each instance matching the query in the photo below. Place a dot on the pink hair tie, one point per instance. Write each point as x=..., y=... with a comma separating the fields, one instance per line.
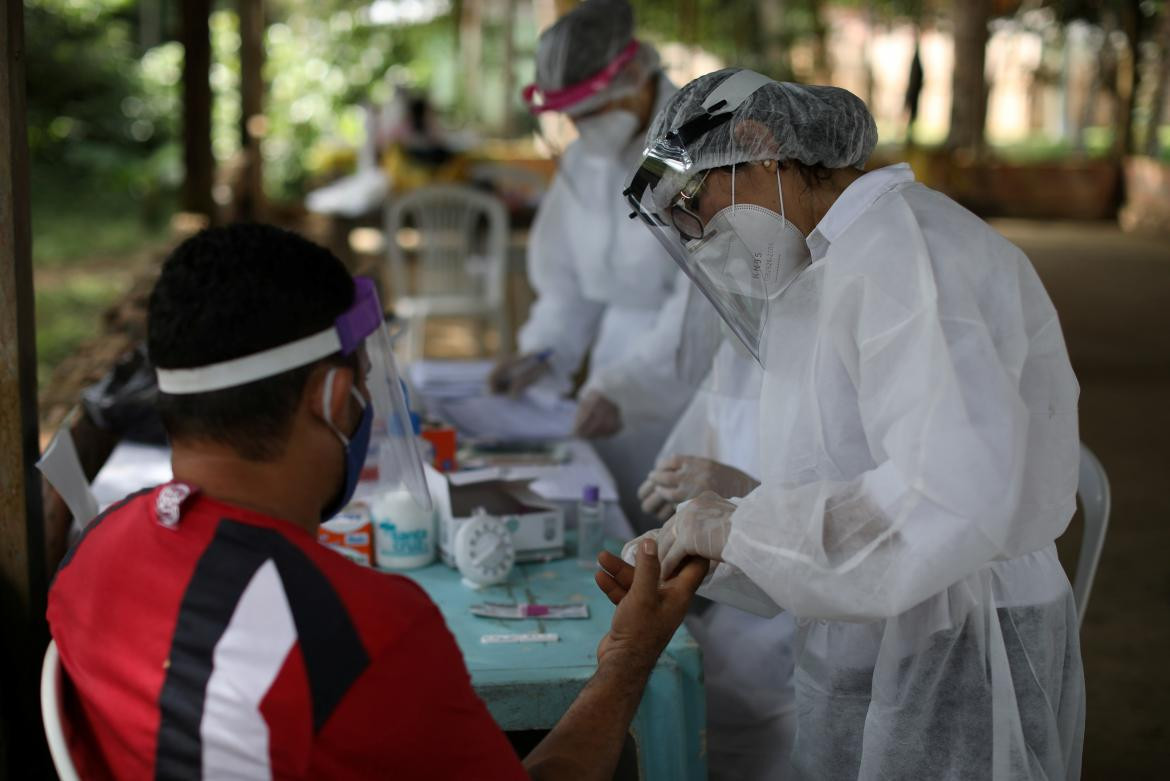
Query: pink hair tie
x=557, y=100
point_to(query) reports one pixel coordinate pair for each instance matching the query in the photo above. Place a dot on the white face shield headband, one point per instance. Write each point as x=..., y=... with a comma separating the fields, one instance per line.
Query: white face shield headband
x=359, y=330
x=747, y=255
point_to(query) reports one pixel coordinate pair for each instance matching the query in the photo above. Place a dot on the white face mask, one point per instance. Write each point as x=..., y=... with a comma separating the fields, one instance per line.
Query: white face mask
x=606, y=135
x=750, y=250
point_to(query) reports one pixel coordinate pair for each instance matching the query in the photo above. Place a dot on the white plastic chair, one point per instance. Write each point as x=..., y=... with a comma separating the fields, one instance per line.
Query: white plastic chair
x=460, y=244
x=1093, y=491
x=52, y=678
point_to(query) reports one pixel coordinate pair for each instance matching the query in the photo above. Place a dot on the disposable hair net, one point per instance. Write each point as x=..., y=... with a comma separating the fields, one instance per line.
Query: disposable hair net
x=814, y=125
x=583, y=43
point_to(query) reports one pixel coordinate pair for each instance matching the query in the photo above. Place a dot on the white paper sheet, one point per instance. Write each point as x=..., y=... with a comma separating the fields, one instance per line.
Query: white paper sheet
x=502, y=417
x=450, y=379
x=61, y=466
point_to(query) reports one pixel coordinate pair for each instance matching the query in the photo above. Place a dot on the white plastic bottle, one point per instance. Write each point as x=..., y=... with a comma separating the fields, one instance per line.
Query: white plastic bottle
x=404, y=533
x=590, y=527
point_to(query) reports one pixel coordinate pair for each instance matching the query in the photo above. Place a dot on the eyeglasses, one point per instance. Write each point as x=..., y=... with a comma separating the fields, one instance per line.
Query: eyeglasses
x=682, y=211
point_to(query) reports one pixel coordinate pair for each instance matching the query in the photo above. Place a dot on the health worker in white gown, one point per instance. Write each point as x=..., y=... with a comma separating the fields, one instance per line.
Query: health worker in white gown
x=918, y=439
x=601, y=280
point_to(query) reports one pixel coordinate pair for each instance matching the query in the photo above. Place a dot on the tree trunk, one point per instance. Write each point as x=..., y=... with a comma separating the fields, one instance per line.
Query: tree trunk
x=821, y=66
x=774, y=39
x=1161, y=84
x=510, y=95
x=471, y=54
x=1127, y=80
x=199, y=164
x=249, y=196
x=969, y=83
x=22, y=545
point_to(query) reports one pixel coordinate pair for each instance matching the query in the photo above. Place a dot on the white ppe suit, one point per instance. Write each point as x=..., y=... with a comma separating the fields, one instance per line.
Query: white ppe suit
x=601, y=281
x=747, y=659
x=919, y=453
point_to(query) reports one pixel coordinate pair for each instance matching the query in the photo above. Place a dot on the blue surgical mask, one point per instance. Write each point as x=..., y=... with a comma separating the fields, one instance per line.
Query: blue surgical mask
x=356, y=446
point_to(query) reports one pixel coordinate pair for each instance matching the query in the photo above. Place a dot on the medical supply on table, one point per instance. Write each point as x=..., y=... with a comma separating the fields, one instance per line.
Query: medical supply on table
x=480, y=454
x=521, y=611
x=505, y=418
x=404, y=533
x=350, y=533
x=527, y=637
x=590, y=527
x=443, y=441
x=537, y=525
x=484, y=552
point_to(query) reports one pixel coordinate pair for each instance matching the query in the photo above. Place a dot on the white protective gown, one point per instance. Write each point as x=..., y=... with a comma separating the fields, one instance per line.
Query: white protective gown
x=747, y=659
x=601, y=280
x=919, y=450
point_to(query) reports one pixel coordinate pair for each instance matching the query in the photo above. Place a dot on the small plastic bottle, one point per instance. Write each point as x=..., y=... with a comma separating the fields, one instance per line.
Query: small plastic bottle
x=590, y=527
x=404, y=533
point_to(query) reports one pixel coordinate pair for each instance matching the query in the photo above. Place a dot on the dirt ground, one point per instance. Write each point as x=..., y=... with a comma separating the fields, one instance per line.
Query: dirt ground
x=1112, y=291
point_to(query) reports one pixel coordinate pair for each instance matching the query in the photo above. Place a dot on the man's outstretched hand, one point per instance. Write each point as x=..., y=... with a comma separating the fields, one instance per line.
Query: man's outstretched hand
x=648, y=612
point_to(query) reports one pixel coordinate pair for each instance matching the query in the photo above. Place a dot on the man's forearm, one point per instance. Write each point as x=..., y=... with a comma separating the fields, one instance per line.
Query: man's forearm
x=586, y=743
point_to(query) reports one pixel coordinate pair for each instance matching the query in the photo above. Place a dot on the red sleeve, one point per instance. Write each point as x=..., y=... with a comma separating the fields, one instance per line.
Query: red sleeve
x=413, y=714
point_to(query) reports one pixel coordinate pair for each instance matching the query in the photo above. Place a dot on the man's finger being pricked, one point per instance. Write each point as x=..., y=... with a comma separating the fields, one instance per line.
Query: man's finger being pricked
x=610, y=587
x=617, y=569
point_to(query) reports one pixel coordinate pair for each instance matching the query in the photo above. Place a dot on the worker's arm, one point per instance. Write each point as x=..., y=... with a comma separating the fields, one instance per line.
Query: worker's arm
x=586, y=743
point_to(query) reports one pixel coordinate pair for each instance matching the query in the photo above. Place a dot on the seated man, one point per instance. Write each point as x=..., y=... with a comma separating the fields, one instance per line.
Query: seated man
x=204, y=631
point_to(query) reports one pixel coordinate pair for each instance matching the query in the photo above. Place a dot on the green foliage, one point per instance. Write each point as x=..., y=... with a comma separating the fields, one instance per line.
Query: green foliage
x=321, y=64
x=89, y=109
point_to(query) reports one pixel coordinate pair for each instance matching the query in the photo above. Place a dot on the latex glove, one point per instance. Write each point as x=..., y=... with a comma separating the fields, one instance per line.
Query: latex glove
x=597, y=416
x=630, y=549
x=514, y=373
x=679, y=478
x=699, y=528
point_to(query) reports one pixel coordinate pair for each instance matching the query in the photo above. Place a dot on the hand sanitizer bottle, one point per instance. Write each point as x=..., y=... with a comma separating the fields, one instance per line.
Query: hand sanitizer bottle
x=590, y=527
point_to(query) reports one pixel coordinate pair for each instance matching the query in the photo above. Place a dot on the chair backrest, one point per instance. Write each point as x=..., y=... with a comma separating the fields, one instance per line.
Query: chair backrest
x=462, y=243
x=52, y=678
x=1093, y=491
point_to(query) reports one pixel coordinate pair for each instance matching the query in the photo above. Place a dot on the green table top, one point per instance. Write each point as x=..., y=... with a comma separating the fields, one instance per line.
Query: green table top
x=529, y=685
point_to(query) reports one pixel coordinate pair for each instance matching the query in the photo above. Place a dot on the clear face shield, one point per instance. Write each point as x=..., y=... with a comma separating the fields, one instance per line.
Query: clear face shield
x=359, y=331
x=737, y=278
x=561, y=113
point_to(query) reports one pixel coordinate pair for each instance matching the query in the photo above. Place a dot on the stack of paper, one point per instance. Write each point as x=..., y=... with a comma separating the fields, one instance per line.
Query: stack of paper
x=502, y=417
x=450, y=379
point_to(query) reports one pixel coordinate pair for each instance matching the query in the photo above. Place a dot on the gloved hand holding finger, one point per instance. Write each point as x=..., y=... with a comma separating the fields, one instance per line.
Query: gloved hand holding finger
x=597, y=416
x=630, y=549
x=700, y=528
x=649, y=611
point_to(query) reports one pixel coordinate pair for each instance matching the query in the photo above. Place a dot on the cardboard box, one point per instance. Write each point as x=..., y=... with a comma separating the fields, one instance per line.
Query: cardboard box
x=537, y=525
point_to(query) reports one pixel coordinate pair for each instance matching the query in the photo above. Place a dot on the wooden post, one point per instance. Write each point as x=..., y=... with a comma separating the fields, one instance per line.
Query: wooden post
x=510, y=99
x=22, y=559
x=969, y=85
x=198, y=161
x=249, y=202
